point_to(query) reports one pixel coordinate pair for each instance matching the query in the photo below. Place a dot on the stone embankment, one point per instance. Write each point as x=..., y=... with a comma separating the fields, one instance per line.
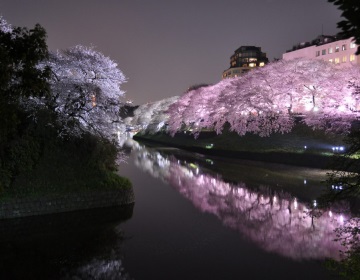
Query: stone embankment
x=51, y=204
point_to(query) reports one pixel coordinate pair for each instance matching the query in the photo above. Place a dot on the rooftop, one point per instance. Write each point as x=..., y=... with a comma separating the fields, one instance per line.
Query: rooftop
x=318, y=41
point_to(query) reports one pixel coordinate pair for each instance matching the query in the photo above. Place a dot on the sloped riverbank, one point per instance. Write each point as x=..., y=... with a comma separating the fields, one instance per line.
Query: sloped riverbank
x=302, y=146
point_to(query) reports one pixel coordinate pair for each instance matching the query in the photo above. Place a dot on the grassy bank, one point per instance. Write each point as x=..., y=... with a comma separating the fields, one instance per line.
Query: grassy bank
x=68, y=166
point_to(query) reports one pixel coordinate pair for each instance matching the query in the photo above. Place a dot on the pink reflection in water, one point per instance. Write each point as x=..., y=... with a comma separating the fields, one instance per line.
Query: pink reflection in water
x=277, y=223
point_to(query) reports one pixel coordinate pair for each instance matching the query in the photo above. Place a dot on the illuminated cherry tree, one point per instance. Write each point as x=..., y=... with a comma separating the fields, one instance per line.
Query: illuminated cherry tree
x=5, y=26
x=267, y=100
x=152, y=116
x=86, y=91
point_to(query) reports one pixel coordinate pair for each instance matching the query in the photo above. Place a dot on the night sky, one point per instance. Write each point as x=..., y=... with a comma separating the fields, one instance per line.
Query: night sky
x=165, y=46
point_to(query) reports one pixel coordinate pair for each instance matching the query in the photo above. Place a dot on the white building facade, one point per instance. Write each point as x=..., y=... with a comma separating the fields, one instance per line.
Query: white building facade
x=328, y=48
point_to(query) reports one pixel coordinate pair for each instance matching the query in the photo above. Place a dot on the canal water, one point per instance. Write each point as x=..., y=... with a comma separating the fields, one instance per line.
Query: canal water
x=206, y=218
x=194, y=217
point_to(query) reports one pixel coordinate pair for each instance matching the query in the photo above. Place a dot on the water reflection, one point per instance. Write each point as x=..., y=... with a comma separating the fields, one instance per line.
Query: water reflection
x=275, y=220
x=76, y=245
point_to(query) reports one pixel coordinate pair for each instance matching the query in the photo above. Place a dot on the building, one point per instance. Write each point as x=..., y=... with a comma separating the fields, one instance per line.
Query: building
x=243, y=60
x=330, y=48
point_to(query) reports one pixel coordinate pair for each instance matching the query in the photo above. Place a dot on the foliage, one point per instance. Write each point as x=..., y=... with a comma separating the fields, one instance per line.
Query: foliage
x=349, y=177
x=70, y=165
x=349, y=265
x=127, y=111
x=350, y=26
x=345, y=182
x=82, y=98
x=21, y=50
x=152, y=116
x=197, y=86
x=85, y=91
x=266, y=100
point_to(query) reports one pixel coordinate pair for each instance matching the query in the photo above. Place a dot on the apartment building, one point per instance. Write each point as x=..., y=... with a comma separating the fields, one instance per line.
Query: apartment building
x=334, y=49
x=243, y=60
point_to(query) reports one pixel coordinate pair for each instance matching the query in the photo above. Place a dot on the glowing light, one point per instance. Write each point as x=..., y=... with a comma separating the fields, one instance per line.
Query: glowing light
x=295, y=204
x=93, y=100
x=342, y=108
x=341, y=219
x=192, y=165
x=209, y=161
x=330, y=214
x=315, y=203
x=308, y=107
x=304, y=181
x=305, y=147
x=160, y=125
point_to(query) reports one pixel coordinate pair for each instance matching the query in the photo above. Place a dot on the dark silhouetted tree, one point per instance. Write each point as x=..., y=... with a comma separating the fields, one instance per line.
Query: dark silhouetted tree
x=21, y=51
x=350, y=26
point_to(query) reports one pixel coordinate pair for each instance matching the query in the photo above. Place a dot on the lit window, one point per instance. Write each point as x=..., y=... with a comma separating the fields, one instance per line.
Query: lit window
x=343, y=47
x=352, y=57
x=344, y=59
x=317, y=53
x=352, y=45
x=252, y=64
x=323, y=52
x=262, y=64
x=330, y=50
x=337, y=60
x=331, y=60
x=252, y=59
x=93, y=100
x=337, y=48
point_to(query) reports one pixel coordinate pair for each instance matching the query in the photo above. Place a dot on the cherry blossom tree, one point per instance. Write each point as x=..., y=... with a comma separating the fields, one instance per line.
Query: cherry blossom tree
x=152, y=116
x=5, y=26
x=86, y=91
x=267, y=100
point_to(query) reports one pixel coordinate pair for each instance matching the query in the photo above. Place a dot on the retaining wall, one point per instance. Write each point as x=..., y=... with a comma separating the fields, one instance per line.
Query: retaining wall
x=65, y=203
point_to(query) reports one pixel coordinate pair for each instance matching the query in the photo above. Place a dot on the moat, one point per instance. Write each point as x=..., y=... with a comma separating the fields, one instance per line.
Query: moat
x=194, y=217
